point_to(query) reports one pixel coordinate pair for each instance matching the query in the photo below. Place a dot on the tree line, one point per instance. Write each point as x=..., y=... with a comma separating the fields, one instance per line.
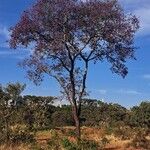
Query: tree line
x=39, y=113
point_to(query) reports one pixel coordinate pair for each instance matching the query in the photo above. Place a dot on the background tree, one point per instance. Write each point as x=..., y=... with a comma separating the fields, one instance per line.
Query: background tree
x=140, y=115
x=4, y=112
x=9, y=96
x=38, y=119
x=97, y=113
x=62, y=116
x=14, y=92
x=67, y=35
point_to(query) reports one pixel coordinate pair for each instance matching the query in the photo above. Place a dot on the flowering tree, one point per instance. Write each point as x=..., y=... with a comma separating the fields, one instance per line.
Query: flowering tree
x=67, y=35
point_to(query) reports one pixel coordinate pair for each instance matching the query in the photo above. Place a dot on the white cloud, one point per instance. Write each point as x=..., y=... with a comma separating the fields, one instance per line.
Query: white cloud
x=146, y=76
x=144, y=17
x=141, y=8
x=134, y=4
x=102, y=91
x=4, y=36
x=4, y=45
x=5, y=53
x=4, y=32
x=15, y=54
x=119, y=91
x=129, y=92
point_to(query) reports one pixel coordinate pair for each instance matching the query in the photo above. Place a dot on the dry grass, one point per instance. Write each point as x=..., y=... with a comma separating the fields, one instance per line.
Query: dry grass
x=16, y=147
x=88, y=133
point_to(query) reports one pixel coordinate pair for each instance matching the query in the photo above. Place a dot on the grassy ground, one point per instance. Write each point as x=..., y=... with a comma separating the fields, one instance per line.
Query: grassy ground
x=88, y=134
x=94, y=134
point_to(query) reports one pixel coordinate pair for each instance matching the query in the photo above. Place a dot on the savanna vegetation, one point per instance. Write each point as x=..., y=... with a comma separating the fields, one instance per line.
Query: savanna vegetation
x=35, y=122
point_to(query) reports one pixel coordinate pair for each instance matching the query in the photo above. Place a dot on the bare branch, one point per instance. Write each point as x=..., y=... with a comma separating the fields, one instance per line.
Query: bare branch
x=61, y=60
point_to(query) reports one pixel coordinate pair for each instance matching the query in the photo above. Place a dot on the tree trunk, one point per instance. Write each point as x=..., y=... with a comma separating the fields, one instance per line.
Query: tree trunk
x=77, y=123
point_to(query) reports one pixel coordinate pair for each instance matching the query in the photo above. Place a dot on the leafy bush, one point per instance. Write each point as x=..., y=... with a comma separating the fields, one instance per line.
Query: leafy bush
x=140, y=115
x=81, y=145
x=16, y=135
x=21, y=136
x=2, y=137
x=68, y=145
x=88, y=145
x=71, y=133
x=109, y=130
x=54, y=143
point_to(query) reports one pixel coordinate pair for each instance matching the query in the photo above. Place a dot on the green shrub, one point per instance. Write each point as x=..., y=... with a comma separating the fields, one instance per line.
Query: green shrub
x=54, y=134
x=71, y=133
x=82, y=145
x=54, y=142
x=68, y=145
x=16, y=135
x=2, y=137
x=109, y=130
x=88, y=145
x=22, y=136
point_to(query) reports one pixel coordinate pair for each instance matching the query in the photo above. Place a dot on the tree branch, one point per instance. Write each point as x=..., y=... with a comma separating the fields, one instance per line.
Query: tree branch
x=61, y=60
x=46, y=39
x=83, y=87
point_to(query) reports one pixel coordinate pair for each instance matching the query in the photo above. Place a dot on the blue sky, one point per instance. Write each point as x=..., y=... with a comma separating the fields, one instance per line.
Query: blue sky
x=101, y=83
